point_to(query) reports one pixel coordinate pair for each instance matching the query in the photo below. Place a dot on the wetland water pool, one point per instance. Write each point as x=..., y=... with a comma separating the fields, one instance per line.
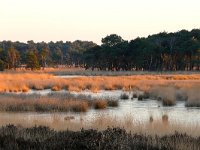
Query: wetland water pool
x=140, y=111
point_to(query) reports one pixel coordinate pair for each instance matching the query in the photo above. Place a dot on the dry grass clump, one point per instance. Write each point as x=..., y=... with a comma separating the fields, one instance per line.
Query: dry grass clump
x=168, y=102
x=100, y=104
x=56, y=88
x=140, y=97
x=151, y=119
x=146, y=95
x=38, y=103
x=80, y=107
x=52, y=103
x=194, y=103
x=134, y=96
x=124, y=96
x=193, y=98
x=113, y=103
x=165, y=119
x=143, y=96
x=44, y=105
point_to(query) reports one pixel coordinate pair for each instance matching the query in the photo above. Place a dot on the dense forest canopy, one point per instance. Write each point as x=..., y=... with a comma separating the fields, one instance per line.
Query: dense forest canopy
x=38, y=55
x=163, y=51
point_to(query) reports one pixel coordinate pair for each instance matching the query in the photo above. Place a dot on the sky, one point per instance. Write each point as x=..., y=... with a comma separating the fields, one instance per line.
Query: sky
x=91, y=20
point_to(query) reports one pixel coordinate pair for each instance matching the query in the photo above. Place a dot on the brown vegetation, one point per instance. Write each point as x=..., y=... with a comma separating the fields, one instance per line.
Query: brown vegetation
x=100, y=104
x=50, y=103
x=22, y=82
x=168, y=88
x=160, y=126
x=168, y=102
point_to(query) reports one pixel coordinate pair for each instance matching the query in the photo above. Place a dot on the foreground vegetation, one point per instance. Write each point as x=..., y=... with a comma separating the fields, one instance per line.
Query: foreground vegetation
x=12, y=137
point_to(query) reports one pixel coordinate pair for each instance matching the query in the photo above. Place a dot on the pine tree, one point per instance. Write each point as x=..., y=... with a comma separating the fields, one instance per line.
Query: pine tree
x=32, y=61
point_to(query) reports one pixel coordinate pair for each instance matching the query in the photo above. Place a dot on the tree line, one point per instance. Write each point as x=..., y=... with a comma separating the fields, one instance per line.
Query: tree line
x=163, y=51
x=39, y=55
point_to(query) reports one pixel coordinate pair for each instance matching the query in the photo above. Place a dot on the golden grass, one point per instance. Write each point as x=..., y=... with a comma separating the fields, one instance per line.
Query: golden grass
x=37, y=103
x=22, y=82
x=56, y=88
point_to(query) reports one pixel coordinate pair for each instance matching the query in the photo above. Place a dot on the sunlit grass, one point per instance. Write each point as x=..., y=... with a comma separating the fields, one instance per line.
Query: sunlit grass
x=22, y=82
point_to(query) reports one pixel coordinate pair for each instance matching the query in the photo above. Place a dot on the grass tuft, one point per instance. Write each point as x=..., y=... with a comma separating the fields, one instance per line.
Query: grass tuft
x=100, y=104
x=168, y=102
x=124, y=96
x=113, y=103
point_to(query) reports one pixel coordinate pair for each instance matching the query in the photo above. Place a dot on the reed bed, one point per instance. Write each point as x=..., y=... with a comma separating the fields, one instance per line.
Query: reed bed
x=50, y=103
x=168, y=88
x=22, y=82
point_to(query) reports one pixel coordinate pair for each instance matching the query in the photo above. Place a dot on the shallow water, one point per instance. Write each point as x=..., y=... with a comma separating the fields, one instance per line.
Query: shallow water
x=139, y=110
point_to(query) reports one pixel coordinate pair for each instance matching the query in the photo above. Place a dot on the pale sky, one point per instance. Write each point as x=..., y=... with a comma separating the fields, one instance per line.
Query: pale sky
x=69, y=20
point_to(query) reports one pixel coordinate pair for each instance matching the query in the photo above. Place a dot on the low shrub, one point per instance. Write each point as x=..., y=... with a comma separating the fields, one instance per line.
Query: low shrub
x=41, y=137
